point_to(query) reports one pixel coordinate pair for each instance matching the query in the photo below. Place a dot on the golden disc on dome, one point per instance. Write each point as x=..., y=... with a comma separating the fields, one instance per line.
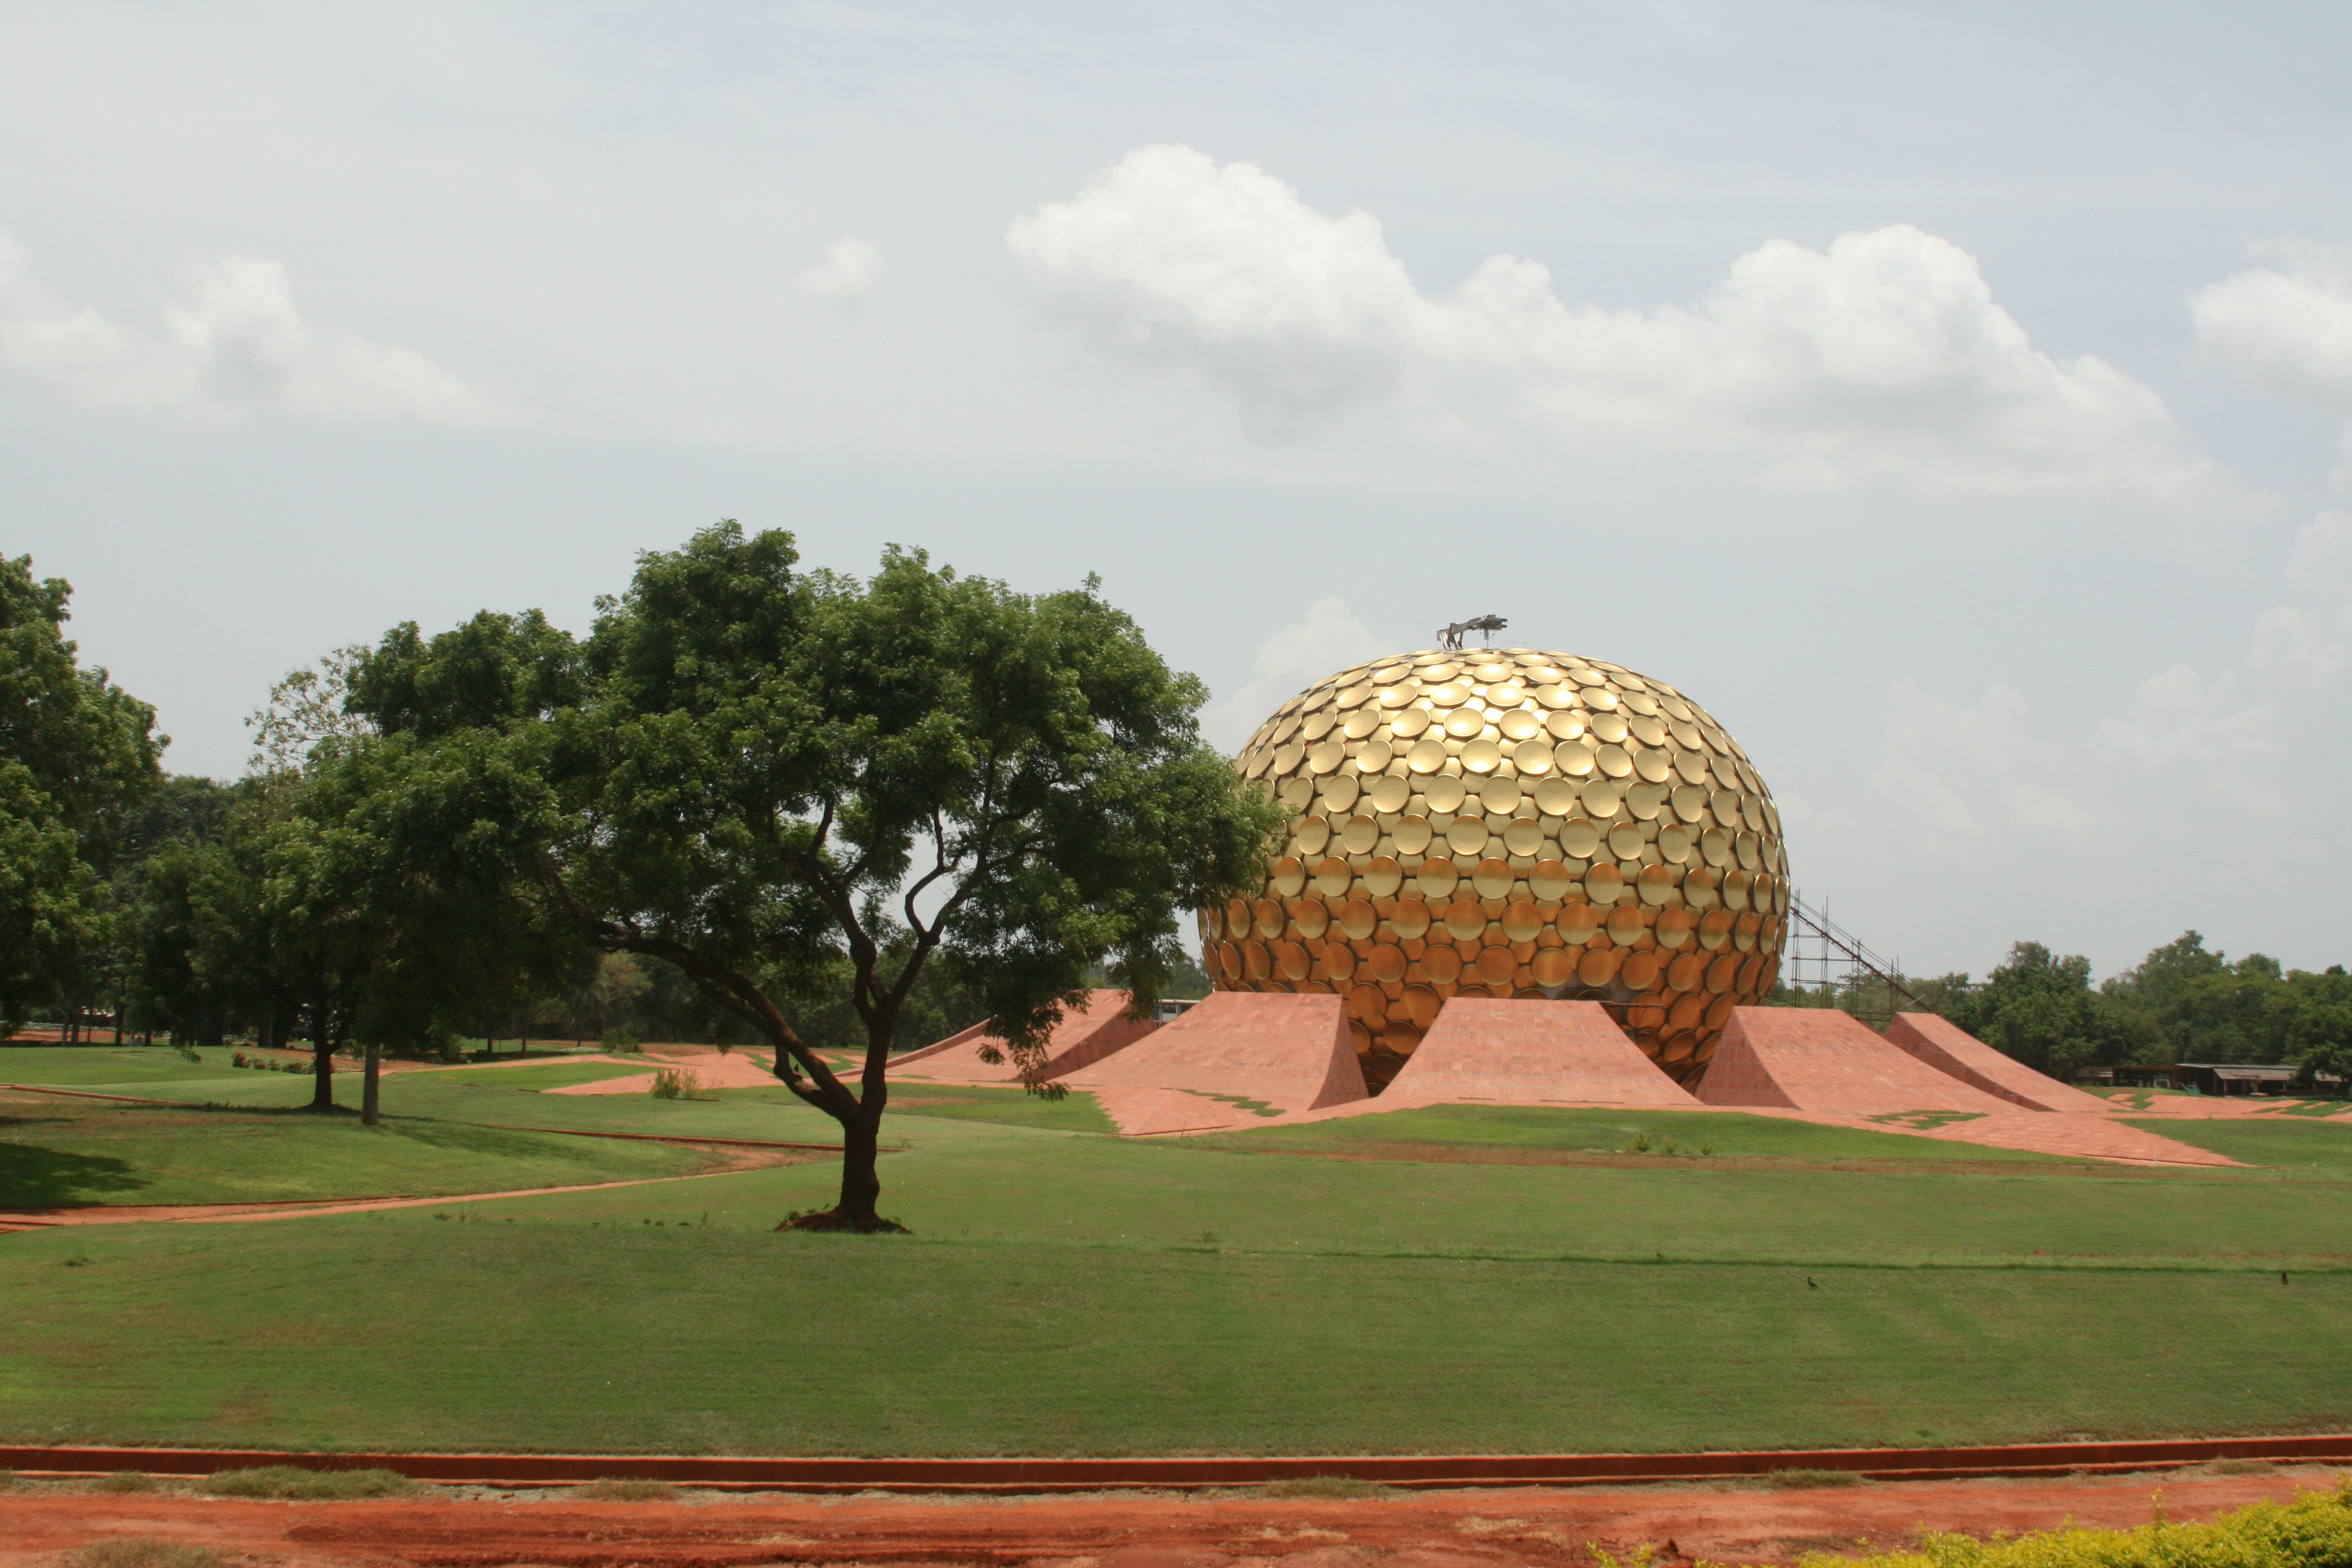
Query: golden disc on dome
x=1374, y=757
x=1640, y=971
x=1556, y=696
x=1690, y=803
x=1604, y=884
x=1338, y=961
x=1714, y=930
x=1311, y=918
x=1388, y=795
x=1723, y=975
x=1508, y=694
x=1685, y=733
x=1285, y=759
x=1333, y=877
x=1369, y=1003
x=1464, y=920
x=1267, y=916
x=1520, y=724
x=1326, y=756
x=1586, y=675
x=1256, y=962
x=1609, y=727
x=1392, y=697
x=1317, y=724
x=1410, y=919
x=1751, y=854
x=1493, y=878
x=1496, y=967
x=1254, y=764
x=1465, y=722
x=1359, y=834
x=1597, y=966
x=1656, y=884
x=1313, y=834
x=1675, y=843
x=1735, y=890
x=1744, y=931
x=1581, y=837
x=1579, y=923
x=1676, y=707
x=1286, y=729
x=1445, y=792
x=1290, y=961
x=1426, y=757
x=1411, y=834
x=1338, y=792
x=1678, y=1048
x=1550, y=881
x=1690, y=767
x=1522, y=921
x=1354, y=696
x=1612, y=761
x=1650, y=731
x=1566, y=725
x=1357, y=920
x=1386, y=963
x=1407, y=722
x=1361, y=723
x=1296, y=791
x=1437, y=878
x=1625, y=927
x=1699, y=886
x=1390, y=673
x=1553, y=966
x=1673, y=927
x=1638, y=700
x=1652, y=766
x=1287, y=877
x=1229, y=959
x=1725, y=773
x=1442, y=964
x=1238, y=917
x=1383, y=877
x=1467, y=835
x=1421, y=1005
x=1523, y=837
x=1500, y=796
x=1626, y=840
x=1574, y=759
x=1602, y=798
x=1647, y=800
x=1446, y=694
x=1752, y=810
x=1556, y=798
x=1715, y=846
x=1532, y=757
x=1687, y=971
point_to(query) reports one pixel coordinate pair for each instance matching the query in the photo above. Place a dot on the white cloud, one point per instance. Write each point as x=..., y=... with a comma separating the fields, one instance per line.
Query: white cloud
x=1884, y=355
x=2291, y=331
x=1289, y=662
x=848, y=269
x=237, y=343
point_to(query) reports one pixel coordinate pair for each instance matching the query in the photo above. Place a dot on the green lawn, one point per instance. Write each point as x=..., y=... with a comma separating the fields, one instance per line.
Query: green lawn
x=1456, y=1278
x=1076, y=1111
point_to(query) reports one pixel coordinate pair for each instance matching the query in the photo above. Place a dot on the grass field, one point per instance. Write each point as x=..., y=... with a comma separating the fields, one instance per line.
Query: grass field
x=1448, y=1279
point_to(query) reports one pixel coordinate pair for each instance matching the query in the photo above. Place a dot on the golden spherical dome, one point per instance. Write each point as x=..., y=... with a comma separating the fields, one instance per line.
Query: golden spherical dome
x=1504, y=822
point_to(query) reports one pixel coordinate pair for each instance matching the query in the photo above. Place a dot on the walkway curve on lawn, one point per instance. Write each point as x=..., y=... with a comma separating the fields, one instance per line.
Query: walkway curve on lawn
x=1026, y=1476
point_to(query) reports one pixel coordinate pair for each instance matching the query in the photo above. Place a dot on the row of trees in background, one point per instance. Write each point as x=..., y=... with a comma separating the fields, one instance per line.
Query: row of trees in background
x=813, y=809
x=2182, y=1003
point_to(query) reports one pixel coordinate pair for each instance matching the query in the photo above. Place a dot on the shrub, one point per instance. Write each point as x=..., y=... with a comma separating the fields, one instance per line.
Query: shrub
x=2315, y=1531
x=125, y=1481
x=144, y=1552
x=620, y=1041
x=1323, y=1487
x=617, y=1489
x=236, y=1058
x=676, y=1083
x=308, y=1485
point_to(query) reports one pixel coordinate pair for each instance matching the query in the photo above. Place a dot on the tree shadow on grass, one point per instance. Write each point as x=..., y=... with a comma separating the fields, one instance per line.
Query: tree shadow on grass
x=35, y=1177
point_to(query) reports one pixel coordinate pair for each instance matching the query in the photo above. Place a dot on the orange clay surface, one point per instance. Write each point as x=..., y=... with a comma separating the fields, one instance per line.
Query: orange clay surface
x=1466, y=1528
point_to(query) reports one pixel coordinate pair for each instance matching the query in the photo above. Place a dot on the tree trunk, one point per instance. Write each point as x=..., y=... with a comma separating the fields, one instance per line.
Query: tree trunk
x=322, y=1057
x=371, y=1102
x=861, y=1142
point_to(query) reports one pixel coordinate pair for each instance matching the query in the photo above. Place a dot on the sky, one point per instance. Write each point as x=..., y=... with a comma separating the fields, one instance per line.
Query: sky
x=1953, y=400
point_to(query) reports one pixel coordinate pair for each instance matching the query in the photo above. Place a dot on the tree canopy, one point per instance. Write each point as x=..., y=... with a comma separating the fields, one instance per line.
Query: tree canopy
x=777, y=781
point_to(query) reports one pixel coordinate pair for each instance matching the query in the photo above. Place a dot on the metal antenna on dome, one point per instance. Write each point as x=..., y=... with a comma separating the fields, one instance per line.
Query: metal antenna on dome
x=1449, y=638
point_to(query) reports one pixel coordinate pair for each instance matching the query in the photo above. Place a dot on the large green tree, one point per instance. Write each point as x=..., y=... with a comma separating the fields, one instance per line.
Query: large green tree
x=77, y=753
x=775, y=780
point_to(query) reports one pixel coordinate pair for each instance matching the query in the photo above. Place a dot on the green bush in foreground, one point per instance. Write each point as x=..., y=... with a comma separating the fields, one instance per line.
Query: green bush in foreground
x=145, y=1552
x=2315, y=1531
x=308, y=1485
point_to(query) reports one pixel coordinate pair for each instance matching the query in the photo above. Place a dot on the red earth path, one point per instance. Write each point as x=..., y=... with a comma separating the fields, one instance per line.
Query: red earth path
x=1485, y=1529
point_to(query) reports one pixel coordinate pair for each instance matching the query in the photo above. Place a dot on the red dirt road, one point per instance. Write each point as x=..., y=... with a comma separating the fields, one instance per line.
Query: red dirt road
x=1486, y=1529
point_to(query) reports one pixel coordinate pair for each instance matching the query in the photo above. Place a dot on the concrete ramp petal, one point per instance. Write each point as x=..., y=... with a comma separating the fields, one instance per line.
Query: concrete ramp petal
x=1818, y=1059
x=1258, y=1053
x=1531, y=1053
x=1956, y=1053
x=1085, y=1035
